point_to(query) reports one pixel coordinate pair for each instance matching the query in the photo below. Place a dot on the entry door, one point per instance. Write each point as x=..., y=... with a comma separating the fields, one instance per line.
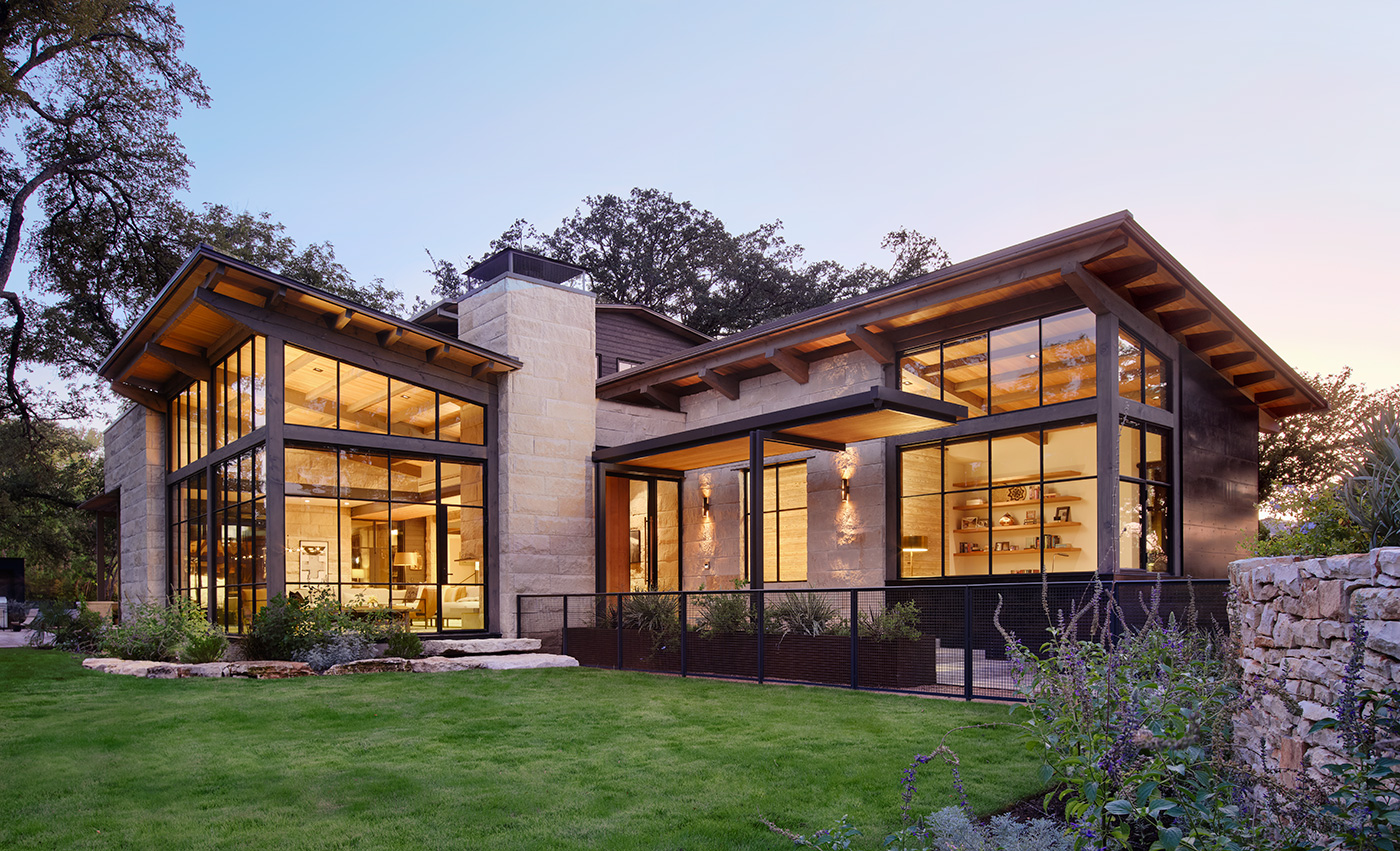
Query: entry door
x=642, y=534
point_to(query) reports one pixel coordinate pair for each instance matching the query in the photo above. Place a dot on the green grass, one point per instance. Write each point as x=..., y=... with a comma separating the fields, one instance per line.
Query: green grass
x=557, y=759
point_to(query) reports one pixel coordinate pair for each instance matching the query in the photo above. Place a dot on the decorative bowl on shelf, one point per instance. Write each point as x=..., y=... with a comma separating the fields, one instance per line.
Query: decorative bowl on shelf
x=1006, y=520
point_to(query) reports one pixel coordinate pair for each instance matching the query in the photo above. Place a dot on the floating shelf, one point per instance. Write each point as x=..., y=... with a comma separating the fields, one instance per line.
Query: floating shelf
x=1057, y=498
x=1019, y=526
x=1020, y=480
x=999, y=553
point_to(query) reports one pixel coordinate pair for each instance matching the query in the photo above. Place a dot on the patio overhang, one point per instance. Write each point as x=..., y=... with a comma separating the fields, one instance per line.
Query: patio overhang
x=830, y=425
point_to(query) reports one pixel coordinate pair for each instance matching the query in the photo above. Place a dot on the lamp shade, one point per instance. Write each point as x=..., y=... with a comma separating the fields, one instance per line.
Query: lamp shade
x=405, y=559
x=914, y=543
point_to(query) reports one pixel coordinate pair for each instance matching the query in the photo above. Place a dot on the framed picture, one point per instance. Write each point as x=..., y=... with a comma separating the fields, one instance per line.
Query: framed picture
x=968, y=523
x=1032, y=517
x=1062, y=514
x=312, y=560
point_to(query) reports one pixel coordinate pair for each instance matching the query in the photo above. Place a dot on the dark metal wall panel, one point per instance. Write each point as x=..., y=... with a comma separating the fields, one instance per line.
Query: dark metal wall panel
x=634, y=339
x=1219, y=470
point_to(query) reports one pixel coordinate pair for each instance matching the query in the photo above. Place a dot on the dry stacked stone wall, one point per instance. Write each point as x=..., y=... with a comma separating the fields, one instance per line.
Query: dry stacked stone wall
x=1296, y=619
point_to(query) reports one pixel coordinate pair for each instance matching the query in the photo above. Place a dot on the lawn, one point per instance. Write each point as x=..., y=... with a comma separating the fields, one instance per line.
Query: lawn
x=563, y=758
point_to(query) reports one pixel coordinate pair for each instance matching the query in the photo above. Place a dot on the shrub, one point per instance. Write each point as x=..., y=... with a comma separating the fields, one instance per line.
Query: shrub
x=950, y=829
x=1320, y=525
x=161, y=633
x=335, y=650
x=1372, y=491
x=891, y=622
x=402, y=643
x=724, y=614
x=286, y=628
x=204, y=648
x=658, y=613
x=77, y=631
x=803, y=613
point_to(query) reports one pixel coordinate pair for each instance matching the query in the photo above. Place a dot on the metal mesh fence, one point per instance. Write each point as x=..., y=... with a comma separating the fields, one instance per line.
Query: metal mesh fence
x=932, y=639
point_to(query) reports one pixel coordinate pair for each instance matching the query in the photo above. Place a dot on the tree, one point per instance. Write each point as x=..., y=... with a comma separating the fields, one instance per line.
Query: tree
x=1315, y=450
x=48, y=472
x=96, y=276
x=88, y=89
x=652, y=250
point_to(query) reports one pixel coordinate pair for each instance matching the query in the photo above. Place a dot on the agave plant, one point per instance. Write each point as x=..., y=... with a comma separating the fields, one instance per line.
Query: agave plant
x=1372, y=491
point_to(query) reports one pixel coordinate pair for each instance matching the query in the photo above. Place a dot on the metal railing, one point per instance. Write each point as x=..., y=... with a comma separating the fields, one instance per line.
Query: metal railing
x=928, y=639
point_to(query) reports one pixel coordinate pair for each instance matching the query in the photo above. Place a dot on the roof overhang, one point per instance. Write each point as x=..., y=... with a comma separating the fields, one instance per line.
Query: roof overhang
x=830, y=425
x=210, y=302
x=1112, y=257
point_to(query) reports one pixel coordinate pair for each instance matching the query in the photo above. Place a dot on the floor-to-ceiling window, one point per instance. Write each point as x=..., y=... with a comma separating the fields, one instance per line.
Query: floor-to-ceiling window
x=391, y=531
x=784, y=522
x=641, y=534
x=1006, y=504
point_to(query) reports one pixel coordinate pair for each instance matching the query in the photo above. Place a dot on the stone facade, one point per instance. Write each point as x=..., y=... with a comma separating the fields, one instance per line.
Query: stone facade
x=546, y=425
x=134, y=450
x=1295, y=626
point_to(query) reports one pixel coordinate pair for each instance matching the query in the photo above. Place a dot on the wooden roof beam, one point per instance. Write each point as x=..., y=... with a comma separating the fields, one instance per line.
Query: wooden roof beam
x=1249, y=379
x=1209, y=340
x=1289, y=410
x=1264, y=397
x=215, y=275
x=878, y=347
x=792, y=366
x=807, y=442
x=663, y=398
x=144, y=398
x=1151, y=298
x=1179, y=320
x=278, y=296
x=388, y=337
x=186, y=363
x=726, y=385
x=1230, y=359
x=1129, y=274
x=338, y=320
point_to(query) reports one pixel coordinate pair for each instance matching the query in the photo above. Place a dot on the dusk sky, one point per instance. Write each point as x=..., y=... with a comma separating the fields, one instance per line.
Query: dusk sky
x=1256, y=141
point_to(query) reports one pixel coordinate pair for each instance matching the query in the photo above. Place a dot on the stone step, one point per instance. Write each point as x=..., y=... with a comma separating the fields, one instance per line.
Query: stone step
x=478, y=646
x=439, y=664
x=284, y=670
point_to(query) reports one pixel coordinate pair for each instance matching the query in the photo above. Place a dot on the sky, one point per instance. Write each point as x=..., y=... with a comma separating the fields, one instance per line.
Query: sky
x=1255, y=141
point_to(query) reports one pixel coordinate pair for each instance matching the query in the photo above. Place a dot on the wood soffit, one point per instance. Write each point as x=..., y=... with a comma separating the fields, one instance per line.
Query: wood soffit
x=183, y=328
x=1118, y=254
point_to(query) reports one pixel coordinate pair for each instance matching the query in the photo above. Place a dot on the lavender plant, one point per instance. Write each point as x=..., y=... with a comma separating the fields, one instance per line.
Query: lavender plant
x=1133, y=724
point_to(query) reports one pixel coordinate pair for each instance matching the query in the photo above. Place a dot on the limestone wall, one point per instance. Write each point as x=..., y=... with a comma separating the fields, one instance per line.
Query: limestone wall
x=546, y=429
x=134, y=452
x=829, y=378
x=1295, y=624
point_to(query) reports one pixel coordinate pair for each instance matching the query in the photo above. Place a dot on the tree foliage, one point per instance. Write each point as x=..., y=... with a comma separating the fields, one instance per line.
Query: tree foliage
x=649, y=249
x=88, y=89
x=1314, y=451
x=48, y=472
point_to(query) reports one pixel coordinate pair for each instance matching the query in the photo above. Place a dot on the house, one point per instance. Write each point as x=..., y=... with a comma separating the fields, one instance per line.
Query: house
x=1072, y=405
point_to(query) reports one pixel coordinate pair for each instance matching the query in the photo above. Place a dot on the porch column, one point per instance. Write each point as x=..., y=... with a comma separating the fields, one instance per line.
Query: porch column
x=756, y=509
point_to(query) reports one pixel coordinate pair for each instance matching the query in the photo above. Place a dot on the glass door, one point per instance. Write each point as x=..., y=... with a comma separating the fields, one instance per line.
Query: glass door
x=641, y=530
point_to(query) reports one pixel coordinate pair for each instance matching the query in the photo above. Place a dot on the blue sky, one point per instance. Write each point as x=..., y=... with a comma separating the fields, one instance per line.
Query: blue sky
x=1256, y=141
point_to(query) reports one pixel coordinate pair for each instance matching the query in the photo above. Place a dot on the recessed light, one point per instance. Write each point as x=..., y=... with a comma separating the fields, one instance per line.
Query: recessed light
x=317, y=369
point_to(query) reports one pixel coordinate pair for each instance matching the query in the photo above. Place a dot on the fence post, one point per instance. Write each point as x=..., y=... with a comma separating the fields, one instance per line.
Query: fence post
x=683, y=631
x=759, y=632
x=855, y=638
x=619, y=633
x=967, y=642
x=564, y=630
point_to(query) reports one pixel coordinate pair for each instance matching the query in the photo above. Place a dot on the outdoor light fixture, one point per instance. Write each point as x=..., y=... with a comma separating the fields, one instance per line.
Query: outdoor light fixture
x=845, y=490
x=705, y=503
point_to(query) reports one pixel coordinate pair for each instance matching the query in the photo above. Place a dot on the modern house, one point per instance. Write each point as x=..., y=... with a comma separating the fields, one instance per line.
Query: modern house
x=1075, y=404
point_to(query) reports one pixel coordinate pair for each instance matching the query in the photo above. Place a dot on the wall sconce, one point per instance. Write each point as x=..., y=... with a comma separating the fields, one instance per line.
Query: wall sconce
x=705, y=503
x=845, y=490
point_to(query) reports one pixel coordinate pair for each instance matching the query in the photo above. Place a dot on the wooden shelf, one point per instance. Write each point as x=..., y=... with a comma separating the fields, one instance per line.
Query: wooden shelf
x=1017, y=527
x=1006, y=504
x=1020, y=552
x=1020, y=480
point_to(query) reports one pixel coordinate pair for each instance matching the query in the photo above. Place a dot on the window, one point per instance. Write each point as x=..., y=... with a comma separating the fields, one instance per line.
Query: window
x=240, y=538
x=240, y=392
x=624, y=365
x=1009, y=504
x=328, y=393
x=784, y=522
x=1144, y=498
x=1142, y=374
x=1041, y=362
x=189, y=439
x=392, y=531
x=188, y=555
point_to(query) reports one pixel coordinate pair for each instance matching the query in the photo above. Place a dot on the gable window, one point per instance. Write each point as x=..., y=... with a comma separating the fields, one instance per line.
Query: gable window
x=1040, y=362
x=784, y=522
x=324, y=392
x=1142, y=373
